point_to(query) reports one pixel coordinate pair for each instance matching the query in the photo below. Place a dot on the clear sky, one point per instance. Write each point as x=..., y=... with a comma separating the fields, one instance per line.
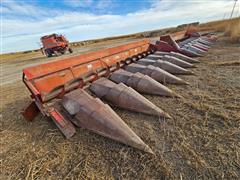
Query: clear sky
x=23, y=22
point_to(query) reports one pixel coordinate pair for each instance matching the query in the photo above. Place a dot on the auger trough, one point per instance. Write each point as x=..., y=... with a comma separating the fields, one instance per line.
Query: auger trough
x=117, y=76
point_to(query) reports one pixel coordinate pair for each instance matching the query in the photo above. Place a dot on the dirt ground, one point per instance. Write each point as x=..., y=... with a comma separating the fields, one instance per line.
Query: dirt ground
x=202, y=141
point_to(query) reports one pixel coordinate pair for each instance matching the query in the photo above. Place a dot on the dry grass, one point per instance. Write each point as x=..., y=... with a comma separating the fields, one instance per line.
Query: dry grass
x=227, y=63
x=231, y=28
x=233, y=31
x=202, y=141
x=19, y=56
x=220, y=25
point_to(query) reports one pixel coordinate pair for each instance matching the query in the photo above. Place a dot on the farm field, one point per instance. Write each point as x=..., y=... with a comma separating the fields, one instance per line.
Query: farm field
x=201, y=141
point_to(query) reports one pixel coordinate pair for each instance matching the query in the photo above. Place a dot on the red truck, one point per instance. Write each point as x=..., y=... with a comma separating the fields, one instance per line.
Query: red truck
x=55, y=44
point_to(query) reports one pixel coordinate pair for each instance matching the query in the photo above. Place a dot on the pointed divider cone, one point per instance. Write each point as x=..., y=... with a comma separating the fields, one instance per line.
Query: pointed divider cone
x=183, y=49
x=201, y=45
x=161, y=53
x=141, y=83
x=184, y=57
x=194, y=49
x=177, y=61
x=204, y=45
x=155, y=73
x=167, y=66
x=92, y=114
x=172, y=60
x=202, y=51
x=125, y=97
x=204, y=41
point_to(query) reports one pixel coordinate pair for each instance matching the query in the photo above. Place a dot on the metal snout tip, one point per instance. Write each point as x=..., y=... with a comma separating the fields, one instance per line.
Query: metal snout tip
x=191, y=73
x=182, y=82
x=166, y=115
x=194, y=66
x=149, y=150
x=178, y=96
x=186, y=83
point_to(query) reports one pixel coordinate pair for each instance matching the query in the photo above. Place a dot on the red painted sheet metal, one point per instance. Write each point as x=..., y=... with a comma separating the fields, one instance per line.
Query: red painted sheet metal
x=49, y=82
x=54, y=78
x=48, y=68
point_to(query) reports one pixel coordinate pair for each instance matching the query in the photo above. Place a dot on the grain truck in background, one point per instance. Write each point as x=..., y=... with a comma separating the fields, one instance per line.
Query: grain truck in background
x=55, y=44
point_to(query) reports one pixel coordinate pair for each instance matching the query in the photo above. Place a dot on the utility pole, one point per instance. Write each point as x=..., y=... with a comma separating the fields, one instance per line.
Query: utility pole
x=233, y=8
